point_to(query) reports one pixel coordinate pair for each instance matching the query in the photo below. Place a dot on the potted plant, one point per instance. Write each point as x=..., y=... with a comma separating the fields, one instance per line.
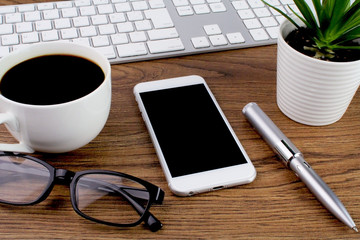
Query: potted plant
x=318, y=68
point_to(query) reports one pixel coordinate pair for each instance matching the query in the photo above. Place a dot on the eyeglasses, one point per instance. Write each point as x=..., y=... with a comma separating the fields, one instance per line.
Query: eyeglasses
x=106, y=197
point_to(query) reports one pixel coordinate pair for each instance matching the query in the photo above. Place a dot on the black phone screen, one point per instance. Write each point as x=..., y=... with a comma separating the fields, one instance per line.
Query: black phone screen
x=191, y=132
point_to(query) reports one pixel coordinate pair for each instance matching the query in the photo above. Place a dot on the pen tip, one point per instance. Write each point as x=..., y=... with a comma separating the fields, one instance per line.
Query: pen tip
x=355, y=229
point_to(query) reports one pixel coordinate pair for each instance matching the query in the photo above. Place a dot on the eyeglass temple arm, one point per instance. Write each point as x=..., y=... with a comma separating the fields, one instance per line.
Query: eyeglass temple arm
x=131, y=194
x=150, y=220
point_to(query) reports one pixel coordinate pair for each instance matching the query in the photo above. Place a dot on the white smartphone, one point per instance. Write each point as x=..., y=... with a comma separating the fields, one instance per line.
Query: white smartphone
x=197, y=148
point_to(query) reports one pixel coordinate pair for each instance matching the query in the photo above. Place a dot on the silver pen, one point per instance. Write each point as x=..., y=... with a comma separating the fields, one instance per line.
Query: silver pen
x=293, y=159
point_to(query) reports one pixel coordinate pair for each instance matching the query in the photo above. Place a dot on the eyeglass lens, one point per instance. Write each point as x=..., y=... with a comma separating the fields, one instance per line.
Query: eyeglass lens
x=22, y=181
x=111, y=198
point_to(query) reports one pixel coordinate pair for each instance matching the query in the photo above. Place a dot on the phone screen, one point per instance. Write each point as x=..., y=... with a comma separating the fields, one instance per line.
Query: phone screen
x=191, y=132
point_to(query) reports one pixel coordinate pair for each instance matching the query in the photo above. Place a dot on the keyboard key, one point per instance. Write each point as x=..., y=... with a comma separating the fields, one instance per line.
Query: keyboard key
x=100, y=41
x=137, y=37
x=246, y=14
x=6, y=29
x=212, y=29
x=269, y=22
x=87, y=11
x=51, y=35
x=80, y=3
x=156, y=3
x=26, y=8
x=107, y=29
x=43, y=25
x=218, y=7
x=159, y=17
x=178, y=3
x=168, y=45
x=252, y=23
x=24, y=27
x=8, y=40
x=240, y=5
x=107, y=51
x=69, y=12
x=218, y=40
x=60, y=5
x=81, y=21
x=273, y=32
x=125, y=27
x=45, y=6
x=51, y=14
x=135, y=16
x=13, y=18
x=31, y=37
x=158, y=34
x=185, y=11
x=256, y=3
x=200, y=42
x=143, y=25
x=62, y=23
x=120, y=38
x=105, y=9
x=262, y=12
x=69, y=33
x=201, y=9
x=235, y=38
x=7, y=9
x=32, y=16
x=117, y=17
x=123, y=7
x=131, y=49
x=99, y=20
x=140, y=5
x=259, y=34
x=89, y=31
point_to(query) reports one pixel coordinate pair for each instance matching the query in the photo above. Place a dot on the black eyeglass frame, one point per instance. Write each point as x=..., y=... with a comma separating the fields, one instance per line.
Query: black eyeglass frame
x=66, y=177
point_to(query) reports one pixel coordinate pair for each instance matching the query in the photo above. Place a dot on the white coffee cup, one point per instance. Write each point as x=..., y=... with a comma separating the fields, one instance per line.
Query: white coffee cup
x=60, y=127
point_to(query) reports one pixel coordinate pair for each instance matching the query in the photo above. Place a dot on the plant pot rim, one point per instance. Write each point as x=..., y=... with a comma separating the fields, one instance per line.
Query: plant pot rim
x=286, y=24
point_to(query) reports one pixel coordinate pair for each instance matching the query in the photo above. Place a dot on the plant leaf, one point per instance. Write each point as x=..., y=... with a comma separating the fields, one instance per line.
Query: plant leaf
x=351, y=17
x=323, y=20
x=349, y=21
x=337, y=14
x=307, y=14
x=349, y=36
x=328, y=6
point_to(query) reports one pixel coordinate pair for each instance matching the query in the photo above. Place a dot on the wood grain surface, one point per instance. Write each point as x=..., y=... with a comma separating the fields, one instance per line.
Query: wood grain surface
x=276, y=205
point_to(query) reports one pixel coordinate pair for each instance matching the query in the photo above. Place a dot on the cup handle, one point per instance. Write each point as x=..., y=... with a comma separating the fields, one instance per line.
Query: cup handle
x=12, y=123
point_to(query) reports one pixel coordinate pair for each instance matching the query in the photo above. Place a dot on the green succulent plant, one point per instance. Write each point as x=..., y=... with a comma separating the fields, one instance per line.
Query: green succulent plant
x=335, y=26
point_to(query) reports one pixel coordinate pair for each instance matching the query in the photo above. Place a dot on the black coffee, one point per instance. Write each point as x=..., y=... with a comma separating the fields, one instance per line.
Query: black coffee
x=52, y=79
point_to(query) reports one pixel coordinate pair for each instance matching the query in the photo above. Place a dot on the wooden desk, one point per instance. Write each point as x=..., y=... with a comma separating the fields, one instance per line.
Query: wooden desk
x=275, y=206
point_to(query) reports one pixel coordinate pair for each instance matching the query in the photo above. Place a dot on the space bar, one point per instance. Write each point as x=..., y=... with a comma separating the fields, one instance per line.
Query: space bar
x=166, y=45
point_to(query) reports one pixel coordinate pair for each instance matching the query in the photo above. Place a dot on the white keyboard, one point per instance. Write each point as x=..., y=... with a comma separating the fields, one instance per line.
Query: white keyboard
x=137, y=30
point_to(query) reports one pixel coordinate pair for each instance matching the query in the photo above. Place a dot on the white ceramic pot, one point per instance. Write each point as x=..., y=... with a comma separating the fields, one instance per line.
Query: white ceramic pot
x=311, y=91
